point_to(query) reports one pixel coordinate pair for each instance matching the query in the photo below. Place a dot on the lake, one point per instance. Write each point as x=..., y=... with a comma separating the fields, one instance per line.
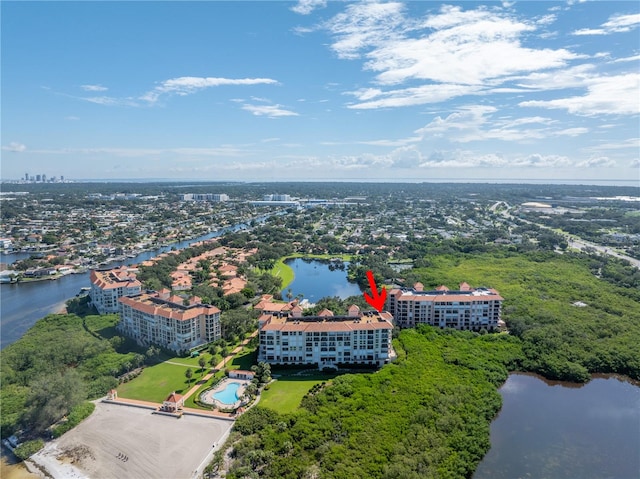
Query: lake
x=316, y=279
x=552, y=429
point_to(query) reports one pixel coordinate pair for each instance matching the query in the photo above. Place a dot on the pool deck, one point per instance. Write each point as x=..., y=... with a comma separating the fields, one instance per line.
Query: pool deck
x=207, y=397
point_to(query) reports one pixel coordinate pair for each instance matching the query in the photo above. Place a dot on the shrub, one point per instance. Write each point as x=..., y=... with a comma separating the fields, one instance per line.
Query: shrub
x=28, y=448
x=76, y=416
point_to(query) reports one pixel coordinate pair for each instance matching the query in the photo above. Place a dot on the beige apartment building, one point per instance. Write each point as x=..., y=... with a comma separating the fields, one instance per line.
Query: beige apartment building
x=108, y=286
x=466, y=308
x=169, y=321
x=325, y=340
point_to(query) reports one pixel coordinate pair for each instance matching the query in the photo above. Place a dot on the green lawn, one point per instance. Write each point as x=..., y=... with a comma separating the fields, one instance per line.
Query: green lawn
x=284, y=394
x=281, y=270
x=244, y=359
x=157, y=382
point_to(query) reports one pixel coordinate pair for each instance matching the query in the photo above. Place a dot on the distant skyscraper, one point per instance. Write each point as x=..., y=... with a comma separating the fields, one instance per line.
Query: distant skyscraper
x=38, y=178
x=44, y=178
x=26, y=177
x=61, y=178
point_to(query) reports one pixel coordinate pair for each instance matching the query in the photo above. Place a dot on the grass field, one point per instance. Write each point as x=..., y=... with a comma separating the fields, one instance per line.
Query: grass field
x=285, y=394
x=157, y=382
x=281, y=270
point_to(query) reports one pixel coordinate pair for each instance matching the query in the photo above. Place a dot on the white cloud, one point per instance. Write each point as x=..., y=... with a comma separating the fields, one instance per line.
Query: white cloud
x=414, y=157
x=397, y=142
x=365, y=25
x=452, y=52
x=571, y=77
x=183, y=86
x=305, y=7
x=597, y=162
x=14, y=147
x=541, y=161
x=615, y=24
x=635, y=163
x=466, y=47
x=71, y=118
x=110, y=101
x=475, y=123
x=634, y=58
x=361, y=162
x=93, y=88
x=612, y=95
x=620, y=145
x=272, y=111
x=409, y=96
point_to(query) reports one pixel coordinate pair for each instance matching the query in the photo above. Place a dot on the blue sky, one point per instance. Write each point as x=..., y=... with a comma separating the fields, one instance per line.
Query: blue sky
x=316, y=90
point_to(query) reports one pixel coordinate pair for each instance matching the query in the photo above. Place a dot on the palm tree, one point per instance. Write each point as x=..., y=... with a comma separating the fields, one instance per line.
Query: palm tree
x=202, y=362
x=188, y=373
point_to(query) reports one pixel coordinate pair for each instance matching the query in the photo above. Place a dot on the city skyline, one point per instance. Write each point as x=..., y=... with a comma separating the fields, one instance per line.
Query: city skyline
x=315, y=90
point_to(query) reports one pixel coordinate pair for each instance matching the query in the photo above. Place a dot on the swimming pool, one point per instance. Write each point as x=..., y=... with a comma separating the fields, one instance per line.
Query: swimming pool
x=228, y=396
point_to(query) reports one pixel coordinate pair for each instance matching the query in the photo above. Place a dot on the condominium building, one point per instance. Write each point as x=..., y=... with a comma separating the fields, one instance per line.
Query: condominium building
x=204, y=197
x=465, y=308
x=108, y=286
x=325, y=340
x=169, y=321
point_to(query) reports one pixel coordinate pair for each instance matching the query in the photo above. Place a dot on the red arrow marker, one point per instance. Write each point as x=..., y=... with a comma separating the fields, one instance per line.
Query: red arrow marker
x=378, y=299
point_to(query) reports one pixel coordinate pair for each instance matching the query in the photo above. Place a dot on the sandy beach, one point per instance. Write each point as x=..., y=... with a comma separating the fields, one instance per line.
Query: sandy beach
x=119, y=441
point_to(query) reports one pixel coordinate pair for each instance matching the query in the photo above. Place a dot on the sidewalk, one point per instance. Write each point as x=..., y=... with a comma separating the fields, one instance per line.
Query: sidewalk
x=219, y=366
x=192, y=391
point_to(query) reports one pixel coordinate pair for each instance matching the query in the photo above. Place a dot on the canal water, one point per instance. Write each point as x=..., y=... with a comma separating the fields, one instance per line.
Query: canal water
x=316, y=279
x=552, y=429
x=21, y=305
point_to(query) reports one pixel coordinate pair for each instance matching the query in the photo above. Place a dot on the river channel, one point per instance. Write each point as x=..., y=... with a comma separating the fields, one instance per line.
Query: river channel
x=22, y=304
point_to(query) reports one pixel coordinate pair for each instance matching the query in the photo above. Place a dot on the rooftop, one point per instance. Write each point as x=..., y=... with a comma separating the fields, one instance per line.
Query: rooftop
x=172, y=307
x=355, y=320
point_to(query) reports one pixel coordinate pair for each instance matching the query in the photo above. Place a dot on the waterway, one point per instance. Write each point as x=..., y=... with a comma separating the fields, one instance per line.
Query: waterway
x=316, y=279
x=552, y=429
x=22, y=304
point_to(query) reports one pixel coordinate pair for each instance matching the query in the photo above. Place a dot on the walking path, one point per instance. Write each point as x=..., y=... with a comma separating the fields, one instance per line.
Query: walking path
x=194, y=389
x=219, y=366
